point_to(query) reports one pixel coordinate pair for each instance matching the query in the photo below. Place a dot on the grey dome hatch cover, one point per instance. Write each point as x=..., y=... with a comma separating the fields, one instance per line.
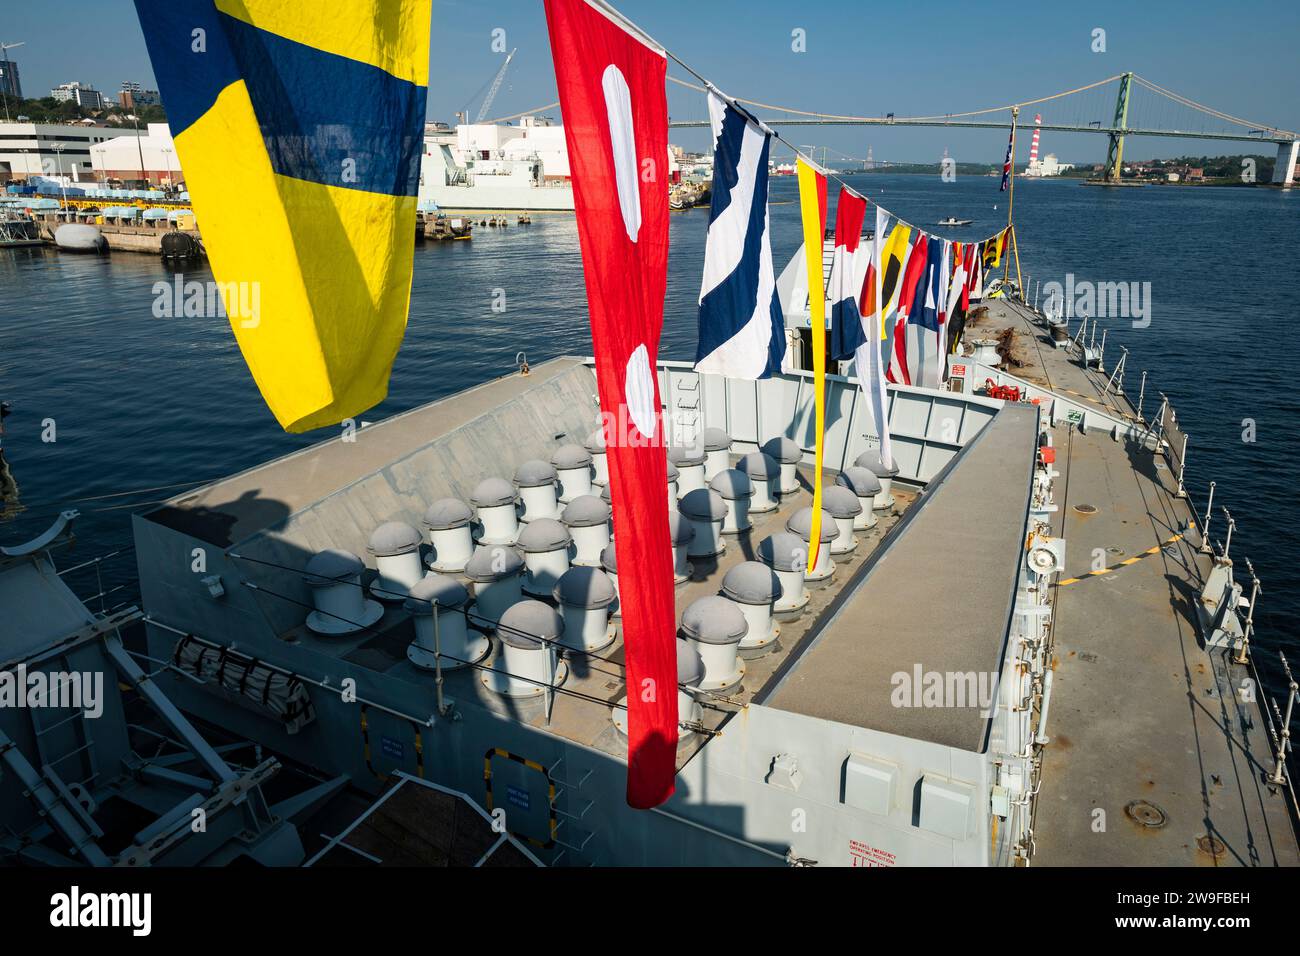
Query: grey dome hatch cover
x=752, y=582
x=446, y=513
x=714, y=620
x=703, y=504
x=571, y=456
x=783, y=449
x=861, y=481
x=331, y=566
x=585, y=511
x=534, y=473
x=544, y=534
x=801, y=524
x=784, y=551
x=759, y=466
x=393, y=537
x=436, y=589
x=584, y=587
x=732, y=483
x=870, y=459
x=840, y=502
x=524, y=622
x=491, y=492
x=493, y=563
x=715, y=439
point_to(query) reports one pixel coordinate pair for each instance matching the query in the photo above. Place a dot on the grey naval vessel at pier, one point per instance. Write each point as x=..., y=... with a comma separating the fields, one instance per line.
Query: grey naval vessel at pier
x=423, y=623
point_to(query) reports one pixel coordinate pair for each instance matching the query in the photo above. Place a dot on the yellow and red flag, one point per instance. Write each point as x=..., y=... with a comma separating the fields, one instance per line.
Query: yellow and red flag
x=812, y=207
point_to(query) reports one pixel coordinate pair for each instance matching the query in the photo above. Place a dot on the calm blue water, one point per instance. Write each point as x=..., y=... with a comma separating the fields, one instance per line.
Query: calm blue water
x=140, y=402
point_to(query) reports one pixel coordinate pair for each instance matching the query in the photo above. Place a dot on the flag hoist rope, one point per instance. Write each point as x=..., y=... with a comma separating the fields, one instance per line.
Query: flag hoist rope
x=735, y=104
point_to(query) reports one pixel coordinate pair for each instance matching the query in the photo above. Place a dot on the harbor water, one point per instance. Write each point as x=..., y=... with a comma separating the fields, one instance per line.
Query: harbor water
x=114, y=408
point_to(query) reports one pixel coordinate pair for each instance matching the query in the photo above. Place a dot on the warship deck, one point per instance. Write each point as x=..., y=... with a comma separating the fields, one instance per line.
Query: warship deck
x=1146, y=724
x=592, y=684
x=971, y=526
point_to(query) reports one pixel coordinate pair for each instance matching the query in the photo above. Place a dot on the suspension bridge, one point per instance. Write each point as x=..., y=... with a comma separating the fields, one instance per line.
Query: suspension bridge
x=1117, y=107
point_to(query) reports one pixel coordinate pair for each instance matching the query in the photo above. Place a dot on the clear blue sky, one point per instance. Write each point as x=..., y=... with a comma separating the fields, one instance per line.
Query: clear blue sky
x=862, y=58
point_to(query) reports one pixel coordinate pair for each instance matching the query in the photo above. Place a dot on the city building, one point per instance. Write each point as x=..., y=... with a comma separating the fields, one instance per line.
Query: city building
x=83, y=95
x=132, y=96
x=10, y=79
x=152, y=156
x=1048, y=165
x=51, y=149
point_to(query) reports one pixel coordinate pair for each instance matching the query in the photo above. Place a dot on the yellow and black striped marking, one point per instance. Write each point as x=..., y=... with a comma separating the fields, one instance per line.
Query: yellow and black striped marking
x=550, y=791
x=1125, y=563
x=365, y=745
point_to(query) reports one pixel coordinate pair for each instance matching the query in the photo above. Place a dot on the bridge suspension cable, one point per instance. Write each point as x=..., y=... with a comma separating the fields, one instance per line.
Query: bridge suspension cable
x=942, y=117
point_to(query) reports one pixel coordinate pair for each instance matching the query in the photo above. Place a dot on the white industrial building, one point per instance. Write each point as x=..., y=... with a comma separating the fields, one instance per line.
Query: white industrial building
x=533, y=137
x=152, y=158
x=1047, y=166
x=52, y=149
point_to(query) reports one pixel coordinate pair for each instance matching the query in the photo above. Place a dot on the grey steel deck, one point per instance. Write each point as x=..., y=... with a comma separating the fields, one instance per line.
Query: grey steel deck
x=1140, y=710
x=940, y=595
x=601, y=676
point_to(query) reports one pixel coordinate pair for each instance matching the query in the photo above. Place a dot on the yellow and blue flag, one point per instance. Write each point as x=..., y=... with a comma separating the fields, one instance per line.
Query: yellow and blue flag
x=299, y=127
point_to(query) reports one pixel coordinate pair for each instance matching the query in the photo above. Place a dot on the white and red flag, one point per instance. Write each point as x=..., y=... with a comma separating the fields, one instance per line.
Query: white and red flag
x=611, y=79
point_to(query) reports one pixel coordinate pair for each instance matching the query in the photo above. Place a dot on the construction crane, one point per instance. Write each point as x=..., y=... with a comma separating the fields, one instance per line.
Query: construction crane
x=496, y=85
x=4, y=84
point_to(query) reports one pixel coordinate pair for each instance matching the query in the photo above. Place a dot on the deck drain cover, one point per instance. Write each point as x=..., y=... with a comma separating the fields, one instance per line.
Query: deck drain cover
x=1115, y=550
x=1086, y=509
x=1146, y=814
x=1211, y=845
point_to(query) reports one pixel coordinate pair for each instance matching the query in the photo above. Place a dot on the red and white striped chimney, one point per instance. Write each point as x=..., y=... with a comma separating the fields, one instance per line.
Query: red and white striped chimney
x=1033, y=146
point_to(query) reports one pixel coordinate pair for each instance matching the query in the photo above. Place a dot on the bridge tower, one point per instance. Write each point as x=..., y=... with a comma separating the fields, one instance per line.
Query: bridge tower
x=1115, y=154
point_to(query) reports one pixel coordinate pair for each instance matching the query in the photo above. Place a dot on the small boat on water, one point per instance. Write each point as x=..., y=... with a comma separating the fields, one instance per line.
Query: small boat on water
x=17, y=231
x=951, y=221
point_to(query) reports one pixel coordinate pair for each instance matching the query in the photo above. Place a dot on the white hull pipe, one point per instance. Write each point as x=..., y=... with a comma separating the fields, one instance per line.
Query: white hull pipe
x=755, y=589
x=496, y=572
x=787, y=555
x=682, y=533
x=448, y=521
x=334, y=577
x=395, y=546
x=705, y=510
x=609, y=564
x=844, y=507
x=866, y=486
x=536, y=480
x=595, y=445
x=736, y=491
x=786, y=453
x=690, y=468
x=545, y=544
x=584, y=596
x=527, y=665
x=690, y=671
x=800, y=523
x=765, y=475
x=870, y=460
x=672, y=487
x=587, y=519
x=572, y=465
x=717, y=452
x=442, y=638
x=494, y=499
x=714, y=627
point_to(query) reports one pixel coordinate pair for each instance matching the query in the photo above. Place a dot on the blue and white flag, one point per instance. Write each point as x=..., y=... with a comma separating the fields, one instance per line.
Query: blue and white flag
x=742, y=332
